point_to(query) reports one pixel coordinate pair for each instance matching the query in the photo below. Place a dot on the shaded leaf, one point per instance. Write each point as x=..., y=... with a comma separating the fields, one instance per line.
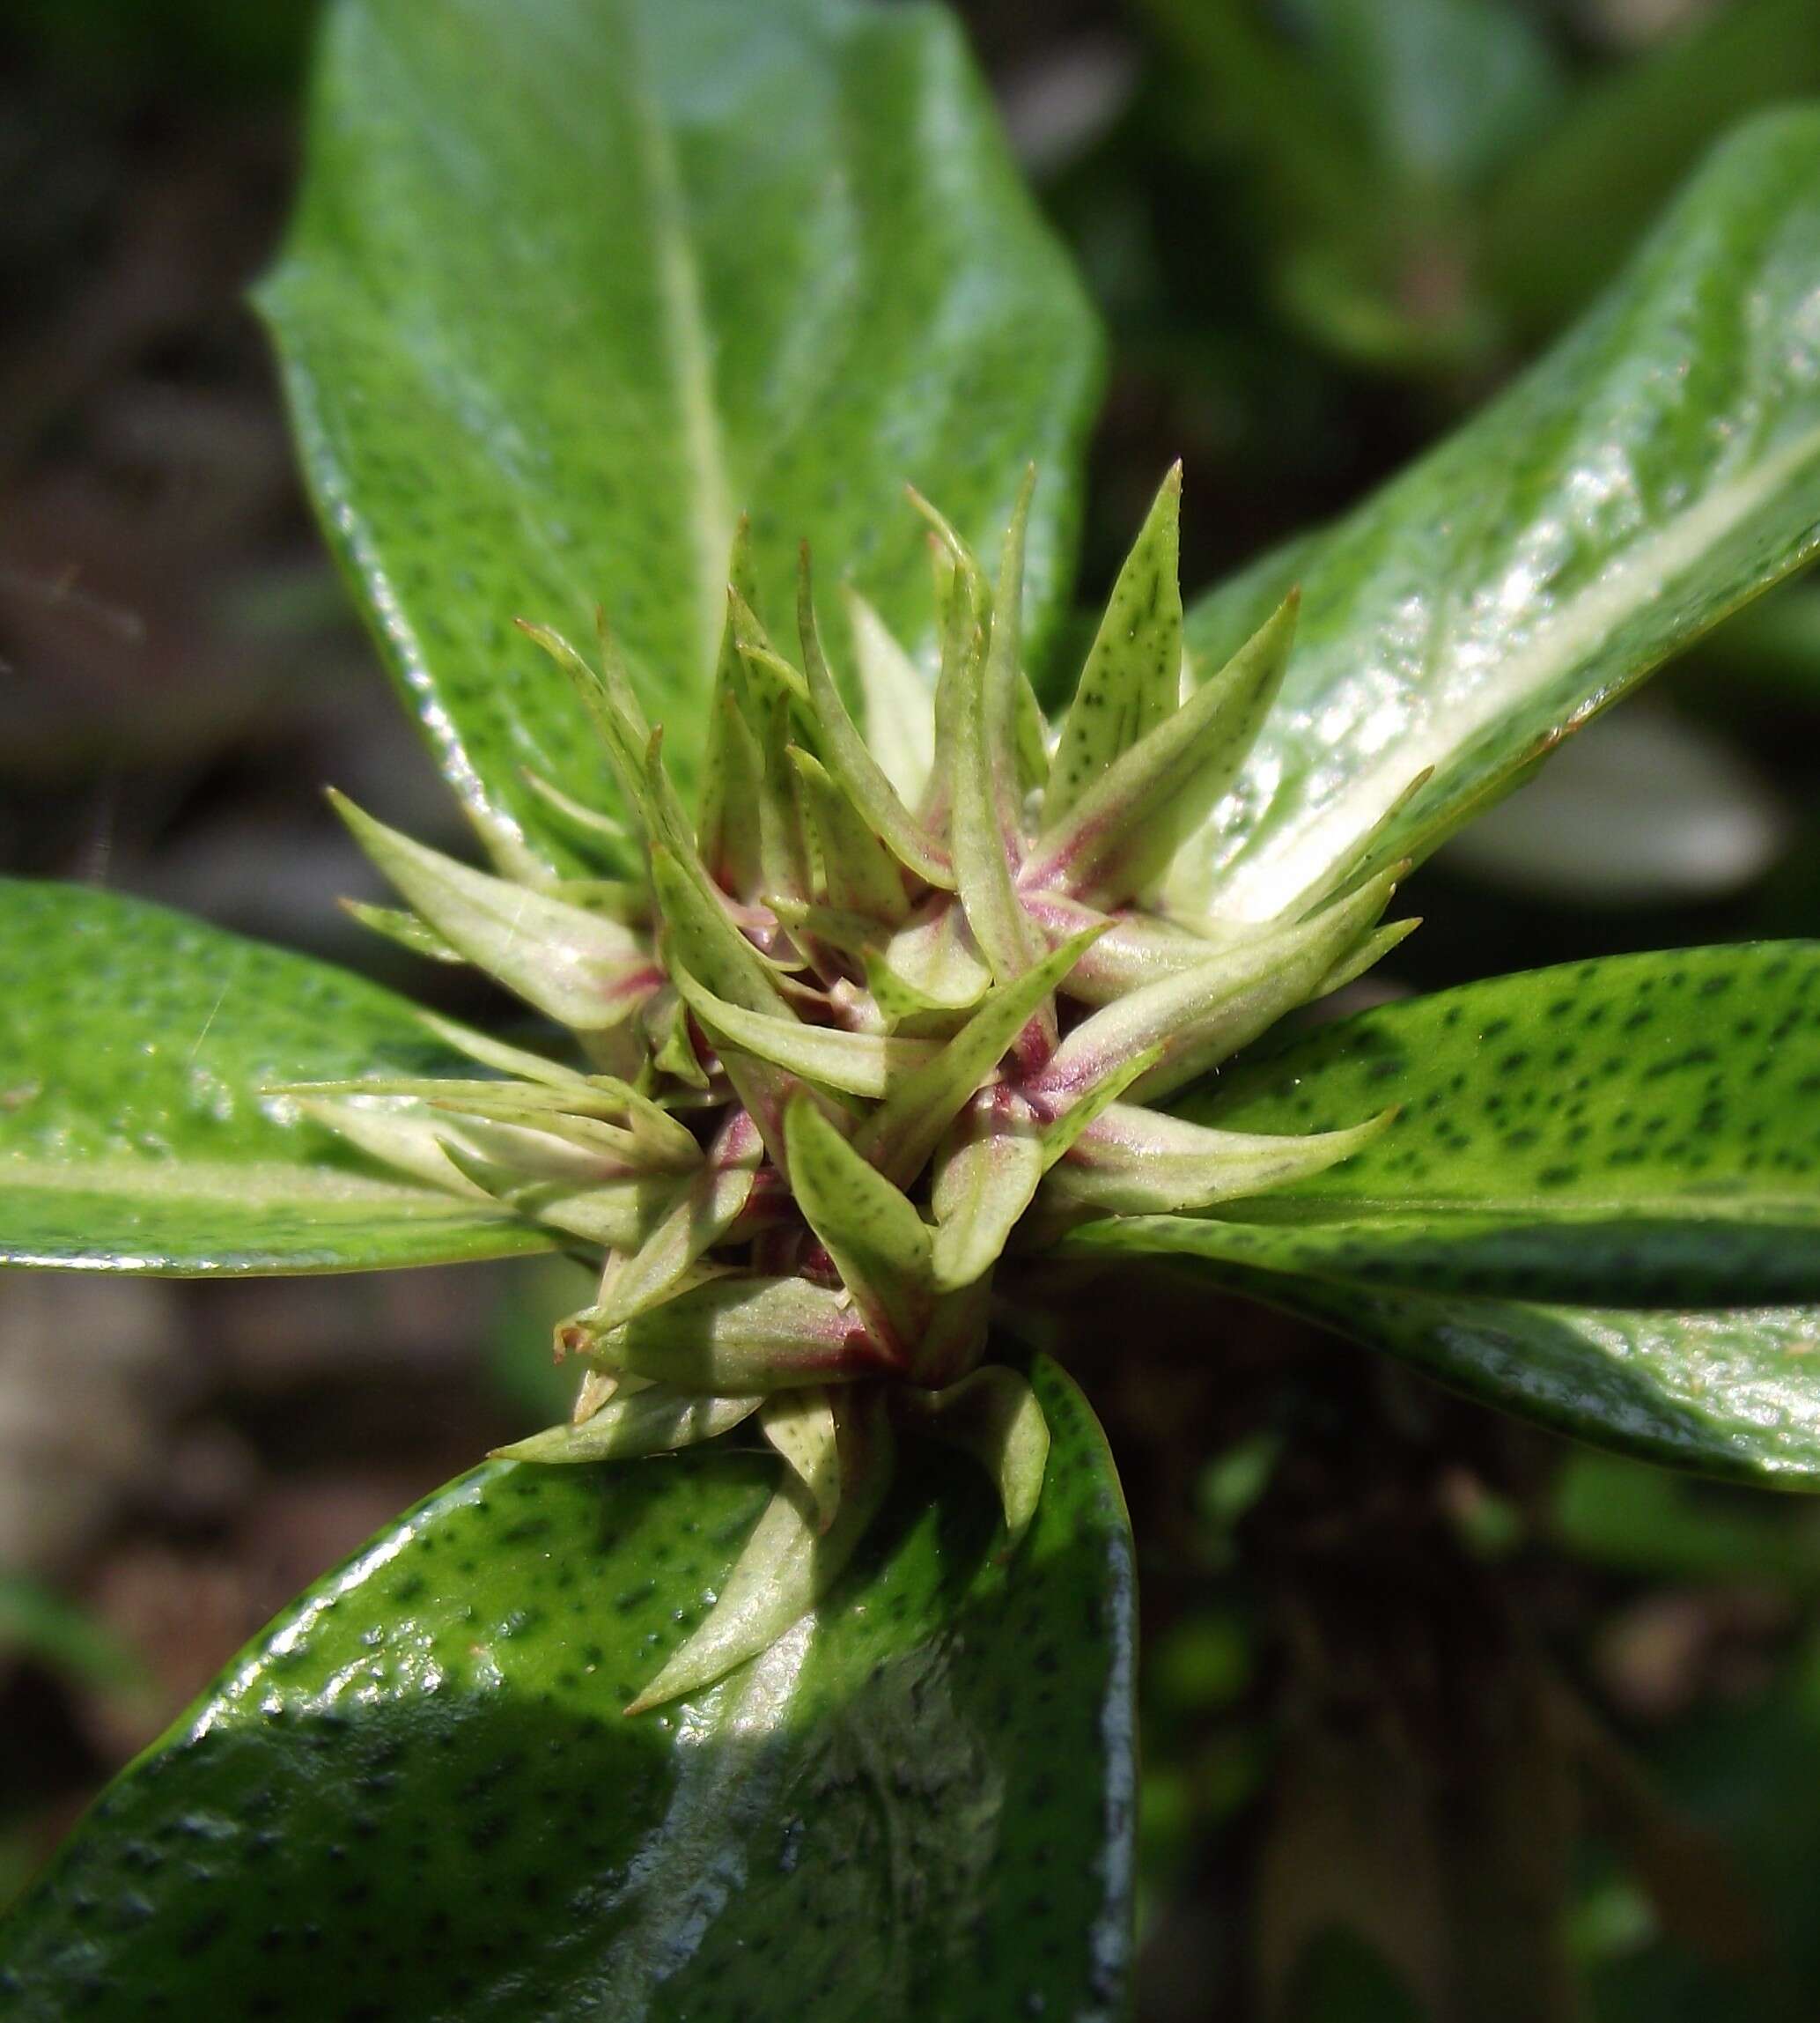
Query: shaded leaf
x=1727, y=1392
x=438, y=1726
x=993, y=1415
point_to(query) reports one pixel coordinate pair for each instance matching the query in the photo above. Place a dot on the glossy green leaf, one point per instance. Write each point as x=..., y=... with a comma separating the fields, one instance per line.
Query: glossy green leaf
x=1728, y=1391
x=417, y=1796
x=573, y=283
x=135, y=1134
x=1660, y=467
x=1641, y=1131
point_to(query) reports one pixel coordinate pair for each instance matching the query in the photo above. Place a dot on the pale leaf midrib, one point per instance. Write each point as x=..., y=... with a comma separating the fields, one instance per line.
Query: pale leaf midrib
x=710, y=510
x=252, y=1184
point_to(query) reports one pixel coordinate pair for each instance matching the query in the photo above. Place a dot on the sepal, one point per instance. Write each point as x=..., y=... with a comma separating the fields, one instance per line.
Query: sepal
x=789, y=1562
x=655, y=1420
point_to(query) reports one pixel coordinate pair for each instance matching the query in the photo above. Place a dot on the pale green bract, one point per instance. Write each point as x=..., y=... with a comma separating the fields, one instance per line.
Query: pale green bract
x=886, y=1017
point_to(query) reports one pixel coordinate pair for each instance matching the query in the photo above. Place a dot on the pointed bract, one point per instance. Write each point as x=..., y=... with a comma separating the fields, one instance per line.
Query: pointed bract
x=843, y=752
x=878, y=1242
x=801, y=1425
x=585, y=972
x=1132, y=676
x=994, y=1415
x=862, y=1064
x=1122, y=832
x=1134, y=1162
x=787, y=1565
x=653, y=1420
x=900, y=730
x=986, y=1177
x=900, y=1135
x=741, y=1335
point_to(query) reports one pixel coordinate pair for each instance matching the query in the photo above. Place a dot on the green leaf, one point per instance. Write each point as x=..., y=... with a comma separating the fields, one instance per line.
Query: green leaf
x=1729, y=1392
x=573, y=283
x=1659, y=467
x=135, y=1134
x=1640, y=1130
x=428, y=1747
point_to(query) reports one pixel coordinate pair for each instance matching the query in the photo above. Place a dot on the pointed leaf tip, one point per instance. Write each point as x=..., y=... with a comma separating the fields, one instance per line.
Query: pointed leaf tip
x=787, y=1565
x=880, y=1245
x=1132, y=679
x=578, y=967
